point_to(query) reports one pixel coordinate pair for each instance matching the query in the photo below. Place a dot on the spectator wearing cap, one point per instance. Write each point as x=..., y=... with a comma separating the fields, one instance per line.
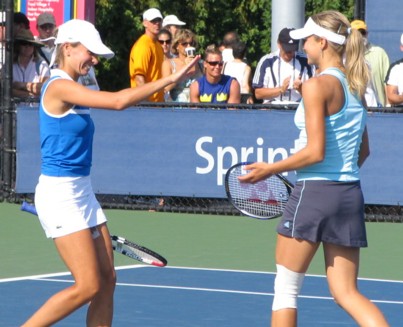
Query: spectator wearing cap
x=146, y=55
x=29, y=69
x=46, y=25
x=378, y=61
x=394, y=81
x=172, y=23
x=280, y=74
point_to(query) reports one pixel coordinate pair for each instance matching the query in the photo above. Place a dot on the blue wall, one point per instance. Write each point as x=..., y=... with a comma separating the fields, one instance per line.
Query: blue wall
x=384, y=21
x=185, y=152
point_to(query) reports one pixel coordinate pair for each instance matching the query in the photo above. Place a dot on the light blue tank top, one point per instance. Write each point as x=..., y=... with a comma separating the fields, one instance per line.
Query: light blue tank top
x=343, y=138
x=66, y=140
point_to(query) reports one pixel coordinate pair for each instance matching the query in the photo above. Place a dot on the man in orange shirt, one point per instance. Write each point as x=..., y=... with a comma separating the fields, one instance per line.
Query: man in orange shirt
x=146, y=55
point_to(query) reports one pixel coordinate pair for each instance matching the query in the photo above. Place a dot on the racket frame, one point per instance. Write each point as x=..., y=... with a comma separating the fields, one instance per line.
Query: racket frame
x=120, y=244
x=289, y=186
x=130, y=249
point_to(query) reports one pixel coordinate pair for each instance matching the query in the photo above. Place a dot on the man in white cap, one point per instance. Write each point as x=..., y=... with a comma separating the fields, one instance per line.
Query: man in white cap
x=146, y=55
x=46, y=25
x=394, y=81
x=172, y=23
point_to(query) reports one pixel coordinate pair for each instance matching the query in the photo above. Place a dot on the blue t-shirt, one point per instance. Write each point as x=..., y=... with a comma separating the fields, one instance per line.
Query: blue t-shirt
x=66, y=140
x=215, y=93
x=343, y=138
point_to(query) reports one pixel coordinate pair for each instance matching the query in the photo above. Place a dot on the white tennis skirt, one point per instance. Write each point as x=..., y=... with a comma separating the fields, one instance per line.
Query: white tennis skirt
x=66, y=205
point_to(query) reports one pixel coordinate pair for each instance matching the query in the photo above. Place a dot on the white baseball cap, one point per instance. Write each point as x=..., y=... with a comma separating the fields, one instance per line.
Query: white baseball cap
x=172, y=20
x=77, y=30
x=151, y=14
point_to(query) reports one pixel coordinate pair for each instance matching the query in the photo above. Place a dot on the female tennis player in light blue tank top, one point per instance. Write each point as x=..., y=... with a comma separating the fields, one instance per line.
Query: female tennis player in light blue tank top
x=326, y=206
x=64, y=199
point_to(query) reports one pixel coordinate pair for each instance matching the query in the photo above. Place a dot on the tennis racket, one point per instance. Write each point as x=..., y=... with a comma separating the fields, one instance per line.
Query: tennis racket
x=262, y=200
x=121, y=245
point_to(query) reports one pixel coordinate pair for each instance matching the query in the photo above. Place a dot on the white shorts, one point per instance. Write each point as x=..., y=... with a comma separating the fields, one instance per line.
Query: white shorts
x=66, y=205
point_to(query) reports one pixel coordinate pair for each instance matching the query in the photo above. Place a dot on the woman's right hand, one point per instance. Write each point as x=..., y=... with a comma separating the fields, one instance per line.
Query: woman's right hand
x=183, y=72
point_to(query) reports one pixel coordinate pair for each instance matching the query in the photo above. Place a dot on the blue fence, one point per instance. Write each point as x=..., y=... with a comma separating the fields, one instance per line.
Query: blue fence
x=186, y=152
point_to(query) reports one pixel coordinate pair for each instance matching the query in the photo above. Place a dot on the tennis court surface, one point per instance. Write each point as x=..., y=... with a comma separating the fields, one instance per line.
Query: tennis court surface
x=219, y=272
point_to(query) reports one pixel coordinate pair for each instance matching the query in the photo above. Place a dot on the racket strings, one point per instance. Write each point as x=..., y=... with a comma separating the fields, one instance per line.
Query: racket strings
x=266, y=198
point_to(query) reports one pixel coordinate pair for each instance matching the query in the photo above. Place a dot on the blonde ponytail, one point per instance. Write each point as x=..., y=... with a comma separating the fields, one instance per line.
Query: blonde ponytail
x=352, y=52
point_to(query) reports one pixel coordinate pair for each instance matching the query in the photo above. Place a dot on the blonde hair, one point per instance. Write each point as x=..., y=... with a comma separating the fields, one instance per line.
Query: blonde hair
x=212, y=49
x=180, y=36
x=357, y=71
x=59, y=52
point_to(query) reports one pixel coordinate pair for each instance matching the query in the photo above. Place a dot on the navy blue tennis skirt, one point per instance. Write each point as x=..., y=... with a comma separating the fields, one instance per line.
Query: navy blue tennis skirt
x=326, y=211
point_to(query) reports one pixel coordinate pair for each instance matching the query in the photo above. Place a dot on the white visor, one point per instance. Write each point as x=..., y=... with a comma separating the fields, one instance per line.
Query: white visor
x=311, y=28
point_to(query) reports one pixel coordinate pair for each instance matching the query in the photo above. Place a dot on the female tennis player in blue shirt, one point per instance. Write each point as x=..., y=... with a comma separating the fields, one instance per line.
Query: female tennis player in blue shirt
x=64, y=199
x=327, y=204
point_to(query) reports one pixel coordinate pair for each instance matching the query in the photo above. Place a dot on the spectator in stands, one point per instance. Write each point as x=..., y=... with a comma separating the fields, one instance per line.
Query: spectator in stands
x=394, y=81
x=172, y=23
x=65, y=201
x=239, y=69
x=46, y=25
x=183, y=42
x=147, y=56
x=29, y=69
x=20, y=21
x=165, y=39
x=326, y=206
x=280, y=74
x=213, y=86
x=229, y=39
x=378, y=61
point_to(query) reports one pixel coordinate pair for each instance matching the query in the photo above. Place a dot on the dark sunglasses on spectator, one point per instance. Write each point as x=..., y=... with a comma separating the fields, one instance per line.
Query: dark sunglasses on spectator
x=46, y=26
x=26, y=43
x=215, y=63
x=156, y=20
x=184, y=44
x=164, y=41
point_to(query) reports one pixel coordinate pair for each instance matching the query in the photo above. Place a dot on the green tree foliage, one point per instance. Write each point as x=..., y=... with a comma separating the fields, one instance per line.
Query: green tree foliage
x=120, y=24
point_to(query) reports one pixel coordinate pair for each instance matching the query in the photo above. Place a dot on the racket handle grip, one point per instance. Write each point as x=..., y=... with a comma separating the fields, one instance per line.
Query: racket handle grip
x=25, y=206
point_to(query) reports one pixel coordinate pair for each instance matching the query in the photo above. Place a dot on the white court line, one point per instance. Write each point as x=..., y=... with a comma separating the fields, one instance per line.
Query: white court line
x=213, y=290
x=184, y=268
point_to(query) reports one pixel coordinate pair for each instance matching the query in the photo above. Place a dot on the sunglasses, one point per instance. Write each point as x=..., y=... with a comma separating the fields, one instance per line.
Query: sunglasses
x=156, y=21
x=215, y=63
x=47, y=27
x=25, y=43
x=164, y=41
x=186, y=44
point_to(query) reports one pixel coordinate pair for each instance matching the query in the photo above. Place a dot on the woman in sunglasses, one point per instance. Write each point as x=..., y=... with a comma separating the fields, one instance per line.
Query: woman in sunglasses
x=165, y=39
x=184, y=49
x=214, y=86
x=29, y=69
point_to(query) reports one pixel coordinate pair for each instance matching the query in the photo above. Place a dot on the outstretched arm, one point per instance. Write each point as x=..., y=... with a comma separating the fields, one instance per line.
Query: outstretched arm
x=62, y=93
